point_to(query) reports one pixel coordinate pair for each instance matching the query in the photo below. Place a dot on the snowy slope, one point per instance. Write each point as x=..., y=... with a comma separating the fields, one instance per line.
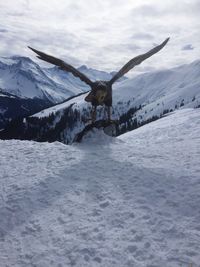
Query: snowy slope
x=162, y=90
x=109, y=202
x=24, y=78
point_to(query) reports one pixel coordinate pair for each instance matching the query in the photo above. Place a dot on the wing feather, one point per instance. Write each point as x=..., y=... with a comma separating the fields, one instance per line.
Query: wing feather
x=136, y=61
x=62, y=65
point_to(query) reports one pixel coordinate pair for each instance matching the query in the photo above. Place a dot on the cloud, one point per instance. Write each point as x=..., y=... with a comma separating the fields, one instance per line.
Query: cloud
x=142, y=36
x=102, y=34
x=15, y=14
x=3, y=30
x=147, y=10
x=187, y=47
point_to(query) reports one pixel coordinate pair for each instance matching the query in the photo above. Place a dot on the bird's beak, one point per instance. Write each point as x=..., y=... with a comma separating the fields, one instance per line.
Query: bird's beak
x=88, y=98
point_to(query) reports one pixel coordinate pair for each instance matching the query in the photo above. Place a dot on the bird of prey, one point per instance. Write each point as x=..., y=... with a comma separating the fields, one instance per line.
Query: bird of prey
x=101, y=91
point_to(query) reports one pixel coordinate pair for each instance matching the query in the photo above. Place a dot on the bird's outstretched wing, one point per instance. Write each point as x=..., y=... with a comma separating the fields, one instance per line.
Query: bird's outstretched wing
x=62, y=65
x=136, y=61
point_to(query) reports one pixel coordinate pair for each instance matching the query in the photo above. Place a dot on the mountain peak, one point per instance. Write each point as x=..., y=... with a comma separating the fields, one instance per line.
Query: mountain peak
x=83, y=67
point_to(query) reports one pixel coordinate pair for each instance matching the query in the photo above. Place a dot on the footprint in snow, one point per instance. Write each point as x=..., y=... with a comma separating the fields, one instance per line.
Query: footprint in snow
x=131, y=248
x=95, y=212
x=97, y=259
x=138, y=238
x=104, y=204
x=146, y=217
x=61, y=220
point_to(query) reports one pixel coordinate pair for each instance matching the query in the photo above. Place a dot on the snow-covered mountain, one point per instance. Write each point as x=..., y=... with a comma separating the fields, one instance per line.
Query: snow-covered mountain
x=131, y=201
x=26, y=88
x=24, y=78
x=161, y=91
x=136, y=101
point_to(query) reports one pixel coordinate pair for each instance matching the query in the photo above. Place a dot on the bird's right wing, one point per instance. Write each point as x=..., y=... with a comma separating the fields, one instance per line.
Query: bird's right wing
x=62, y=65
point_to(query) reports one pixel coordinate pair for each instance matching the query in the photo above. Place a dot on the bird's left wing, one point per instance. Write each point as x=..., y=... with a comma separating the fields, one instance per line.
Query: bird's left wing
x=62, y=65
x=136, y=61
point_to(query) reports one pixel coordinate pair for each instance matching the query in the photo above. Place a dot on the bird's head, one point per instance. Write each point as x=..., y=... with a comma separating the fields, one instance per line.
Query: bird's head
x=98, y=93
x=100, y=90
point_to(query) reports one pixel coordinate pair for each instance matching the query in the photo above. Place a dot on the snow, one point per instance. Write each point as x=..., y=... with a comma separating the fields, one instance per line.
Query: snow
x=1, y=95
x=161, y=90
x=126, y=201
x=8, y=96
x=78, y=101
x=7, y=61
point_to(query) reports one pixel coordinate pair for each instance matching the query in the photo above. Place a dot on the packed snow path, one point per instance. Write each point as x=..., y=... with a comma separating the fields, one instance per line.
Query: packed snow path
x=128, y=201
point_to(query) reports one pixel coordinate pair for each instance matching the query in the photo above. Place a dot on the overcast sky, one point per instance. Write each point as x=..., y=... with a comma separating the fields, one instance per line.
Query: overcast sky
x=102, y=34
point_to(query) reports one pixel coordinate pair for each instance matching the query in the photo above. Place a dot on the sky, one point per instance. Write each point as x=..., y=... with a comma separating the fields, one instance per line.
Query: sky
x=102, y=34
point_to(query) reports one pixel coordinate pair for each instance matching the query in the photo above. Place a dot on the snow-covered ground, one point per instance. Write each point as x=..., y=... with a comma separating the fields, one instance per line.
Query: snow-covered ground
x=127, y=201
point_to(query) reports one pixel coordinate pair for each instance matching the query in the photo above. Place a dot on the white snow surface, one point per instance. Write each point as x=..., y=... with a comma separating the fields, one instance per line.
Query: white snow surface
x=126, y=201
